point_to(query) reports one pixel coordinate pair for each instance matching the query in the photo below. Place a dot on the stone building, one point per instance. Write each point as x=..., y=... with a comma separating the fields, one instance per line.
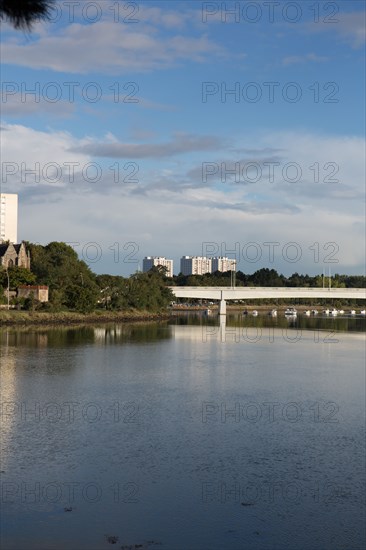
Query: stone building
x=40, y=292
x=14, y=255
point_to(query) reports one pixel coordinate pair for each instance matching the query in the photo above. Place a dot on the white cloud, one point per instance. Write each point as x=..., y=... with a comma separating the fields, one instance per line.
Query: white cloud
x=295, y=59
x=351, y=27
x=17, y=105
x=25, y=150
x=136, y=49
x=180, y=143
x=164, y=211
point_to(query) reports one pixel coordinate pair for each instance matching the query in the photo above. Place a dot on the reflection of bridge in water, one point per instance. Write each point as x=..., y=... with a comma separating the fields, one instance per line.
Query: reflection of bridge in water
x=222, y=294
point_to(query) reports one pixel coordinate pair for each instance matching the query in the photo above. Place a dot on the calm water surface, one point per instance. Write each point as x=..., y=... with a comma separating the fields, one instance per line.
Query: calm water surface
x=184, y=435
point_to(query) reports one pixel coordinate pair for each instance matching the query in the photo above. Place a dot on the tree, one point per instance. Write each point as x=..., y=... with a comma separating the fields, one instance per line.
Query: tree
x=22, y=14
x=17, y=276
x=58, y=266
x=80, y=298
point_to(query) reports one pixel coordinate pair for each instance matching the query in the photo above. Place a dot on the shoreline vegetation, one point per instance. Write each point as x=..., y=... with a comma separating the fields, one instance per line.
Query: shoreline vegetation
x=15, y=317
x=21, y=317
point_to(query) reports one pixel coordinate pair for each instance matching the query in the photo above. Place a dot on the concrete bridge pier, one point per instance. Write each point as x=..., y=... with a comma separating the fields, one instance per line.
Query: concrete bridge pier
x=222, y=307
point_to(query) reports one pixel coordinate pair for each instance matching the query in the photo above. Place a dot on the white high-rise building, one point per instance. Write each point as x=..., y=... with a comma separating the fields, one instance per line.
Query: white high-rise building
x=221, y=263
x=9, y=217
x=150, y=261
x=195, y=265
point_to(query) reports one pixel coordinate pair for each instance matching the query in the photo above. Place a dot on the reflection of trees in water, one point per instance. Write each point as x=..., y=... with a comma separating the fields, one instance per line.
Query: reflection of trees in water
x=134, y=333
x=60, y=337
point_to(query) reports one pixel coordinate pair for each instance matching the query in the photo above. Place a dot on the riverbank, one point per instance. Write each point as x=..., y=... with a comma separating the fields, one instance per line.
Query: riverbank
x=251, y=307
x=14, y=317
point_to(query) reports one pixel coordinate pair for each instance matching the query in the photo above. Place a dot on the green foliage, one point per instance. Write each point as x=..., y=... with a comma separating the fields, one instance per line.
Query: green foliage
x=71, y=282
x=17, y=276
x=148, y=291
x=30, y=303
x=22, y=14
x=80, y=298
x=268, y=277
x=144, y=291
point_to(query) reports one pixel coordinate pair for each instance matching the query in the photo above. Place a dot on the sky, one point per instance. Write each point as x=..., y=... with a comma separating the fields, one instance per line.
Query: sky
x=190, y=128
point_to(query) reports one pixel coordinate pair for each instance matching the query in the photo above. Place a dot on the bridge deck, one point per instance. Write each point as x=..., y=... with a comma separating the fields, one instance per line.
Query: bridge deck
x=249, y=293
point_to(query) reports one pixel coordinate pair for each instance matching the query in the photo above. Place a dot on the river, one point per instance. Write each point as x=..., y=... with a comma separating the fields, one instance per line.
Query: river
x=184, y=435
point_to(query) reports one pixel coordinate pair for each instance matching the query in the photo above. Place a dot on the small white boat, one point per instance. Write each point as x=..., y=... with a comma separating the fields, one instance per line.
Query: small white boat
x=255, y=313
x=273, y=313
x=363, y=312
x=334, y=312
x=326, y=311
x=352, y=312
x=307, y=313
x=291, y=312
x=314, y=311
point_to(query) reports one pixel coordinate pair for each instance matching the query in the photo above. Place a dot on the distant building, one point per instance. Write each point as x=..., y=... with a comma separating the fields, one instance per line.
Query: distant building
x=14, y=255
x=150, y=261
x=40, y=292
x=9, y=217
x=223, y=264
x=195, y=265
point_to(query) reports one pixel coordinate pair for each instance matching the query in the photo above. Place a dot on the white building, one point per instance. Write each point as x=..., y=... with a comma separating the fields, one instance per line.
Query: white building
x=221, y=263
x=150, y=261
x=9, y=217
x=195, y=265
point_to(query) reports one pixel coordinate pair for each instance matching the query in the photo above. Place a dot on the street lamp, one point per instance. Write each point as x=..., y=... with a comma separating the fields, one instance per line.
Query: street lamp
x=7, y=273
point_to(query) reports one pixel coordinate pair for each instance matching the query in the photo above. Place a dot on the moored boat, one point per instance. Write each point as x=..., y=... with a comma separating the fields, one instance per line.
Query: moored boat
x=291, y=312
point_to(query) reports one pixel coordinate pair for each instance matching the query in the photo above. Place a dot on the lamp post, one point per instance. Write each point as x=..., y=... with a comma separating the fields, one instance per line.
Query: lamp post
x=7, y=273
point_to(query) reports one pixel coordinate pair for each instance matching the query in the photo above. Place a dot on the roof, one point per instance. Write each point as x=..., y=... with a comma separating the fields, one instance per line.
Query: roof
x=4, y=247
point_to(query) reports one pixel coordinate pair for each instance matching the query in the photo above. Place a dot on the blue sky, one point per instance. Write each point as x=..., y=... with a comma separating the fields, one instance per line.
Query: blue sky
x=137, y=148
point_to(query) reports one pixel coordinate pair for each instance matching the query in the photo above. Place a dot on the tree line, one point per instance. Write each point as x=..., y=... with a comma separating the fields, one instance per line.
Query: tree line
x=268, y=277
x=73, y=285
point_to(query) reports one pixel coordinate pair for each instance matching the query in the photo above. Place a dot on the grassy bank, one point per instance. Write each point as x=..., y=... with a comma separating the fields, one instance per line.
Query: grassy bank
x=13, y=317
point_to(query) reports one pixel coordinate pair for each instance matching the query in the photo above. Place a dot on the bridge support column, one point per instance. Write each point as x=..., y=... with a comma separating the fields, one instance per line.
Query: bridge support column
x=222, y=307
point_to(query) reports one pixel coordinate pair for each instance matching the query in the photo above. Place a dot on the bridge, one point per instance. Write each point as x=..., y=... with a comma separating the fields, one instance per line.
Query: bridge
x=224, y=293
